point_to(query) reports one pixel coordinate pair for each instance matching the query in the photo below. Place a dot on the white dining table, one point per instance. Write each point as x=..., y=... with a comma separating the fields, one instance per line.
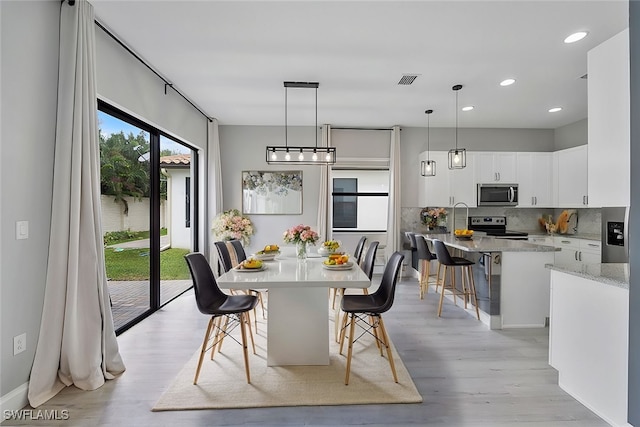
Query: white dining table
x=298, y=313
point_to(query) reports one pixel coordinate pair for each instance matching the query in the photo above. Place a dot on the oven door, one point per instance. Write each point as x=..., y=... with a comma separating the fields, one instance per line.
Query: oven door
x=497, y=194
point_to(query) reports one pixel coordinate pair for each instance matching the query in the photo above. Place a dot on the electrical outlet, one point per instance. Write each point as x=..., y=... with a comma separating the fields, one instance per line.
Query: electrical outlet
x=19, y=343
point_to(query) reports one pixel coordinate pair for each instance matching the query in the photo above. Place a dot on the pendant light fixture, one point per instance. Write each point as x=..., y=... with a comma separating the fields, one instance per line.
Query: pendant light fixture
x=279, y=155
x=428, y=167
x=457, y=156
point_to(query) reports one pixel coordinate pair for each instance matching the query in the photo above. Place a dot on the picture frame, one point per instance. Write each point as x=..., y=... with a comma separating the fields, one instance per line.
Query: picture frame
x=272, y=192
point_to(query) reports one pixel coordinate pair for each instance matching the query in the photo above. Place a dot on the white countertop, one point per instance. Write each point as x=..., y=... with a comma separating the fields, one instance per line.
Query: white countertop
x=481, y=243
x=615, y=274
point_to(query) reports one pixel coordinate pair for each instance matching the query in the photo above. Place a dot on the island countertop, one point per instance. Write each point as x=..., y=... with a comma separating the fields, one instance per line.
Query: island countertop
x=615, y=274
x=481, y=243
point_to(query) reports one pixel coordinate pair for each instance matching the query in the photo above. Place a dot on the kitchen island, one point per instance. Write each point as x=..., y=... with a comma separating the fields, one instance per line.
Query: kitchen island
x=589, y=335
x=512, y=282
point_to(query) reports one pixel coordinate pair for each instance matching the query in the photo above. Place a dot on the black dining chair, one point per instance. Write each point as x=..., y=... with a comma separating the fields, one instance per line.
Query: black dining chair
x=425, y=256
x=357, y=254
x=450, y=263
x=228, y=260
x=367, y=310
x=369, y=259
x=213, y=302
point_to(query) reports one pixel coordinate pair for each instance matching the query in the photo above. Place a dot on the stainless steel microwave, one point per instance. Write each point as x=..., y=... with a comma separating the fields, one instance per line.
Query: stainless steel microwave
x=497, y=194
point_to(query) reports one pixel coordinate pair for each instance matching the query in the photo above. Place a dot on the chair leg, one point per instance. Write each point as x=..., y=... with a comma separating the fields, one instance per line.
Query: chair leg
x=385, y=338
x=473, y=291
x=438, y=281
x=333, y=300
x=248, y=321
x=350, y=351
x=243, y=324
x=343, y=331
x=444, y=278
x=220, y=334
x=203, y=350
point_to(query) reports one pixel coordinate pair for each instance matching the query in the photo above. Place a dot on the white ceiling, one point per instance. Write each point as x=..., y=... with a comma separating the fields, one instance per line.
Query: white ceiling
x=231, y=58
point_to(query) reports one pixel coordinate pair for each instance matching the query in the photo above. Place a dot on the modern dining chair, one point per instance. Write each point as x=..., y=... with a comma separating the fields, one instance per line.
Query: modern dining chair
x=366, y=266
x=425, y=256
x=450, y=263
x=213, y=302
x=229, y=259
x=368, y=309
x=357, y=254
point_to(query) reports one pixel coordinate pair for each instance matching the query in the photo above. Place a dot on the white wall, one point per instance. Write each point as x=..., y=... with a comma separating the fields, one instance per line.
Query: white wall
x=29, y=73
x=243, y=148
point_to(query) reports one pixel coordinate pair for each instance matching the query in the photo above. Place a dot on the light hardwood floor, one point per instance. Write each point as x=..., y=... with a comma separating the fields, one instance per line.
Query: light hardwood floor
x=467, y=375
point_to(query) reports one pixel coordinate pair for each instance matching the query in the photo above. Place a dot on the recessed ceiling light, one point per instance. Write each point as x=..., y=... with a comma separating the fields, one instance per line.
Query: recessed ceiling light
x=467, y=108
x=576, y=37
x=507, y=82
x=555, y=109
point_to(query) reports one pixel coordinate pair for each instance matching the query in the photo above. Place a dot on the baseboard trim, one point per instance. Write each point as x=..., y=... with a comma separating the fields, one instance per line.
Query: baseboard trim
x=16, y=399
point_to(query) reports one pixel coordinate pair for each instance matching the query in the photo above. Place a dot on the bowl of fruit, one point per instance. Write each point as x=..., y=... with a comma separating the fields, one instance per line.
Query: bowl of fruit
x=337, y=262
x=329, y=247
x=463, y=234
x=268, y=253
x=250, y=264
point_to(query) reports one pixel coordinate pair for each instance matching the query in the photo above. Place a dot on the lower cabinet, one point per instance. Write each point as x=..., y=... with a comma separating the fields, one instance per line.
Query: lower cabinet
x=577, y=250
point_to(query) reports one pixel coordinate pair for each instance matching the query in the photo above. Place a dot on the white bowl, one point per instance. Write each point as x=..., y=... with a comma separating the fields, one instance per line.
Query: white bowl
x=266, y=256
x=325, y=252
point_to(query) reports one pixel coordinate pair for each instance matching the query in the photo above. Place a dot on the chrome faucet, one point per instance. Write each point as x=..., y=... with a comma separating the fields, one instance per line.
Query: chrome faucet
x=453, y=223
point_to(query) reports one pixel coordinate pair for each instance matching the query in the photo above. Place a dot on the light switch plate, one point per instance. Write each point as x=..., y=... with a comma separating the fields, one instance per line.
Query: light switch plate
x=22, y=230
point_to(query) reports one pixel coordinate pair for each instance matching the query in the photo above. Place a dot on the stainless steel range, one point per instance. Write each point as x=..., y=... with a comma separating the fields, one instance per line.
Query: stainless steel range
x=495, y=226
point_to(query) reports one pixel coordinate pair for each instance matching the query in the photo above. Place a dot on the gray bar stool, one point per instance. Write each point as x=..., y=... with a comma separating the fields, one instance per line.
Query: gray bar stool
x=468, y=286
x=425, y=256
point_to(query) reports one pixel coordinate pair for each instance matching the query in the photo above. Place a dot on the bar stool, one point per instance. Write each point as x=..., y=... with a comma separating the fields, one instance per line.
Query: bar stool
x=425, y=256
x=468, y=286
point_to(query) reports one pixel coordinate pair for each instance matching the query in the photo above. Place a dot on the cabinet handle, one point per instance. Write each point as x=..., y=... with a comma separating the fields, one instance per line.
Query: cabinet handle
x=536, y=197
x=575, y=255
x=593, y=245
x=579, y=256
x=565, y=241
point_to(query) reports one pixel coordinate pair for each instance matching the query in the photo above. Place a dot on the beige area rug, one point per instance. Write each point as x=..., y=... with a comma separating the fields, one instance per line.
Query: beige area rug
x=222, y=382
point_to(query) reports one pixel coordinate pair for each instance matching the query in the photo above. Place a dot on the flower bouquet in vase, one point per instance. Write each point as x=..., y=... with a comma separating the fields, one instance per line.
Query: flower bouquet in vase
x=301, y=235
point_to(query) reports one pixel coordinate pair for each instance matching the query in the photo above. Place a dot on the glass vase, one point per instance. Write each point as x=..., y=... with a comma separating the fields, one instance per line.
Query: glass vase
x=301, y=250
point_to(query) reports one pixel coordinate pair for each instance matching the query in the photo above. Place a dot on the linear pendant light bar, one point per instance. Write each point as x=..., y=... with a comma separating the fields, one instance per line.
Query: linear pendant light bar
x=285, y=155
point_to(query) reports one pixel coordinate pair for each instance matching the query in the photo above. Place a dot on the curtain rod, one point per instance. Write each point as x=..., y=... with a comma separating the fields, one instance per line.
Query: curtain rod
x=347, y=128
x=166, y=83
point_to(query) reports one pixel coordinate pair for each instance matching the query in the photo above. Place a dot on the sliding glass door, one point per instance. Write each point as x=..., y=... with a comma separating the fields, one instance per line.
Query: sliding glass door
x=148, y=214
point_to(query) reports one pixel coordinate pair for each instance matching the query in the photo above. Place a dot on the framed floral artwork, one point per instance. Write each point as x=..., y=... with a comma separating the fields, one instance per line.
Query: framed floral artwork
x=272, y=192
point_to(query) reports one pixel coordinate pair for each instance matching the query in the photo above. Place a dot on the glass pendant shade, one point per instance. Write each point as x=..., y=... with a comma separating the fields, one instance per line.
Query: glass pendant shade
x=428, y=168
x=457, y=156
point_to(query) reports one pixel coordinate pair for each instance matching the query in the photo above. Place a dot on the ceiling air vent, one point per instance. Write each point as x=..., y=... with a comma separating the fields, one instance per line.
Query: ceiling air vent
x=407, y=79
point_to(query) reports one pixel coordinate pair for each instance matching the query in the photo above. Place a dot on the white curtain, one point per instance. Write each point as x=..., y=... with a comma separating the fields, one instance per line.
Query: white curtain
x=77, y=342
x=324, y=227
x=393, y=220
x=214, y=168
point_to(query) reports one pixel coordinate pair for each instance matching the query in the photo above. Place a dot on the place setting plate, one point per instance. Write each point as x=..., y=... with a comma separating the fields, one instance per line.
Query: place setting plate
x=241, y=269
x=346, y=266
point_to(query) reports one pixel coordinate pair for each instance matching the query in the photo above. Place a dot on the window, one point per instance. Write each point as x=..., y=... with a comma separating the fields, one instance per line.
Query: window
x=360, y=200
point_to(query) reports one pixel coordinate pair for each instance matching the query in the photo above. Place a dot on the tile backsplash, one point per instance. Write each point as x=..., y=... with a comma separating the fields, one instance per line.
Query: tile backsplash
x=518, y=219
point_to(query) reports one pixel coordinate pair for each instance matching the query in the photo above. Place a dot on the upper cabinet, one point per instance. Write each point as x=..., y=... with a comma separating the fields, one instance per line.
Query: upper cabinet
x=609, y=122
x=535, y=178
x=448, y=187
x=496, y=167
x=570, y=176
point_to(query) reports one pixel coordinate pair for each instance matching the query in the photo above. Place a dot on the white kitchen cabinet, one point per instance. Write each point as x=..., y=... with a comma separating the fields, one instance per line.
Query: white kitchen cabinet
x=570, y=176
x=577, y=250
x=447, y=187
x=534, y=175
x=609, y=122
x=495, y=167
